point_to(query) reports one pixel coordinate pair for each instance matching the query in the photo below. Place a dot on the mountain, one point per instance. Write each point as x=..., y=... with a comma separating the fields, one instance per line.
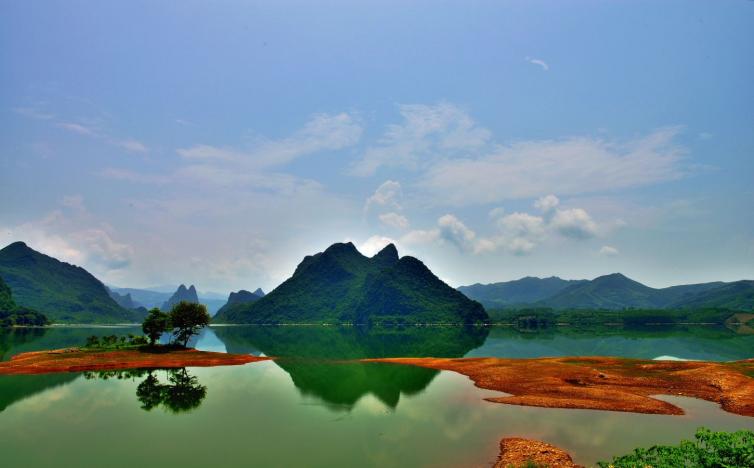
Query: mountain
x=738, y=295
x=522, y=291
x=11, y=314
x=241, y=297
x=63, y=292
x=123, y=300
x=148, y=298
x=610, y=292
x=614, y=291
x=181, y=294
x=340, y=285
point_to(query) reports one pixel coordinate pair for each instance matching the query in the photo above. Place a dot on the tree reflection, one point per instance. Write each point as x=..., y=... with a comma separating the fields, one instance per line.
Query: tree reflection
x=182, y=392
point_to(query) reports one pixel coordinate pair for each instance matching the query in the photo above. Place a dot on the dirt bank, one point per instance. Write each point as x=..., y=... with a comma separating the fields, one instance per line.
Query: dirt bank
x=516, y=452
x=604, y=383
x=77, y=360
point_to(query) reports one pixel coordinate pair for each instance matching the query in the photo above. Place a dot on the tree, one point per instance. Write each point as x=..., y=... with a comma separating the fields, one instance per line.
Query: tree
x=187, y=319
x=156, y=323
x=92, y=342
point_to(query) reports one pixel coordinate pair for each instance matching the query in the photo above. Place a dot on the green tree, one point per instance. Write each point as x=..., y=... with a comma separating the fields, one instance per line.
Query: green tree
x=156, y=323
x=187, y=319
x=92, y=342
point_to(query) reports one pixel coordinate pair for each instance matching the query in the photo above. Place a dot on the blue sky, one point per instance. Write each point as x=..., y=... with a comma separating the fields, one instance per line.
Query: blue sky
x=217, y=144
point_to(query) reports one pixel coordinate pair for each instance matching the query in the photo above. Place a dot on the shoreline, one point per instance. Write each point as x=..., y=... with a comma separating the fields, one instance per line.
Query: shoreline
x=78, y=360
x=603, y=383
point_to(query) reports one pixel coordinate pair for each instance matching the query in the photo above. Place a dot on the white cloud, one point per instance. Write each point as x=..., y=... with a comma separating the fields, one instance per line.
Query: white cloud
x=454, y=231
x=547, y=203
x=420, y=237
x=323, y=132
x=575, y=223
x=536, y=61
x=609, y=251
x=72, y=235
x=427, y=133
x=374, y=244
x=516, y=233
x=496, y=212
x=394, y=220
x=132, y=145
x=78, y=128
x=34, y=113
x=388, y=194
x=572, y=166
x=132, y=176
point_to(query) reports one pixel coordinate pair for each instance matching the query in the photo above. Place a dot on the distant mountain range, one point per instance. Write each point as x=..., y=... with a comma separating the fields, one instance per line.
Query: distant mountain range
x=61, y=291
x=158, y=296
x=613, y=292
x=340, y=285
x=235, y=299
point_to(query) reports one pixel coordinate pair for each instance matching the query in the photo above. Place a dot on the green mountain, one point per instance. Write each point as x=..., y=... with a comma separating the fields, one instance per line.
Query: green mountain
x=11, y=314
x=613, y=291
x=518, y=292
x=241, y=297
x=182, y=294
x=340, y=285
x=616, y=291
x=610, y=292
x=738, y=295
x=61, y=291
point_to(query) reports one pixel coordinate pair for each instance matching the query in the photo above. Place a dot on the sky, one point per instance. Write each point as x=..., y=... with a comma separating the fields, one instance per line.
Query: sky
x=218, y=143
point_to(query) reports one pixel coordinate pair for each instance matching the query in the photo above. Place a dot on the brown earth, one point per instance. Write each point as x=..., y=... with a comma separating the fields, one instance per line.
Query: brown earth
x=77, y=360
x=516, y=452
x=604, y=383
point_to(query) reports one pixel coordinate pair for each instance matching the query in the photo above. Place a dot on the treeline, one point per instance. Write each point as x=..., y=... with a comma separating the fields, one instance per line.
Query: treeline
x=542, y=317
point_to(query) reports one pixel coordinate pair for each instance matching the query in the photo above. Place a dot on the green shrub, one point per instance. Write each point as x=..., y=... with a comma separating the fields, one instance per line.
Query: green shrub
x=710, y=449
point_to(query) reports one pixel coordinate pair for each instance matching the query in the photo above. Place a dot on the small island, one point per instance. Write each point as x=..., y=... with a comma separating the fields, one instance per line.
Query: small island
x=184, y=321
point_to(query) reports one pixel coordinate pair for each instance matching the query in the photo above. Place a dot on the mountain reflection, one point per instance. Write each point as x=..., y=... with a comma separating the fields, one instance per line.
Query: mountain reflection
x=313, y=357
x=181, y=393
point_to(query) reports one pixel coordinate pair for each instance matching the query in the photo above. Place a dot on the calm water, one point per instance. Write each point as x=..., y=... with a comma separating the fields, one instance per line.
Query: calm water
x=307, y=409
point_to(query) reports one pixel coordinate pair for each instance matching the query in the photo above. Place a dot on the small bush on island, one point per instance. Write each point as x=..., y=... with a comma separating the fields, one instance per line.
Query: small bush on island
x=710, y=449
x=115, y=342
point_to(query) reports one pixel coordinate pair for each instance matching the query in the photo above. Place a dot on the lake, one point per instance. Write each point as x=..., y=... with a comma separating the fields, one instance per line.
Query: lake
x=309, y=408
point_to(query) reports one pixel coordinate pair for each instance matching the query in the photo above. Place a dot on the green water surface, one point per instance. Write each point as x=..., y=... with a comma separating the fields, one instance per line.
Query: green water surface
x=309, y=408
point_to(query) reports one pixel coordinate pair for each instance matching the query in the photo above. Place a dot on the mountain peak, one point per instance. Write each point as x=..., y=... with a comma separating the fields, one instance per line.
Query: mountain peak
x=259, y=292
x=342, y=248
x=387, y=256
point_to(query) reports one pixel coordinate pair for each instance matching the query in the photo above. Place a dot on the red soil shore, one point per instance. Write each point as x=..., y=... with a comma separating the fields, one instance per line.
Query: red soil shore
x=515, y=452
x=77, y=360
x=604, y=383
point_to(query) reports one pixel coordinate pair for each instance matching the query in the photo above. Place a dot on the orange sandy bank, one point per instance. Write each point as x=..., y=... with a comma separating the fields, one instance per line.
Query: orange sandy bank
x=76, y=360
x=604, y=383
x=515, y=452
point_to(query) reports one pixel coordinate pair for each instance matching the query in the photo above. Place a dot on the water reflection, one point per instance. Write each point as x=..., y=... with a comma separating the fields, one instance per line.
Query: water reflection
x=313, y=356
x=181, y=393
